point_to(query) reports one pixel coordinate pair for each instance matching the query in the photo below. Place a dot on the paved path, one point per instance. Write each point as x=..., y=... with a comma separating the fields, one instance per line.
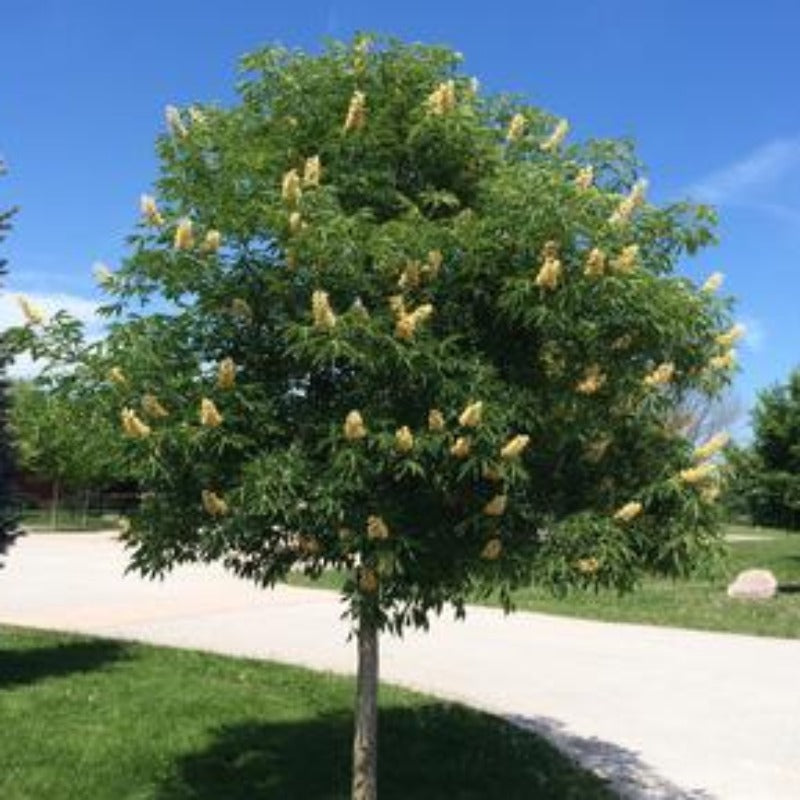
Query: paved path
x=665, y=713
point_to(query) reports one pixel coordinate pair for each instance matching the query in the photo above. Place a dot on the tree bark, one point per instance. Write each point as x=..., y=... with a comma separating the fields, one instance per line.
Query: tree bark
x=365, y=744
x=54, y=505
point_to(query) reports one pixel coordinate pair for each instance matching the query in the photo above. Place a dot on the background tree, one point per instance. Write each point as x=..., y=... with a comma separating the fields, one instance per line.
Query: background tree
x=767, y=473
x=8, y=519
x=408, y=332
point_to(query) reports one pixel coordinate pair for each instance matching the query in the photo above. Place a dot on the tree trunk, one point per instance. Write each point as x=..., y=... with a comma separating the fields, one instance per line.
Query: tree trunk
x=365, y=745
x=54, y=505
x=85, y=517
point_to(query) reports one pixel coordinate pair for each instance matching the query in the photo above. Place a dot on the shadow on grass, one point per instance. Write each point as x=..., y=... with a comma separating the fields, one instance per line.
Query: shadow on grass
x=21, y=666
x=427, y=753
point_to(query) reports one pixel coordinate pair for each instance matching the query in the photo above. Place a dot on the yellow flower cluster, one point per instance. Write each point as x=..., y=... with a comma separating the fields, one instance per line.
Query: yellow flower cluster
x=549, y=273
x=116, y=375
x=435, y=420
x=725, y=361
x=516, y=128
x=593, y=380
x=553, y=142
x=698, y=474
x=492, y=550
x=710, y=493
x=356, y=112
x=321, y=311
x=102, y=274
x=290, y=188
x=132, y=425
x=175, y=122
x=404, y=439
x=712, y=446
x=410, y=277
x=513, y=447
x=730, y=336
x=312, y=170
x=628, y=512
x=226, y=373
x=153, y=408
x=713, y=282
x=184, y=237
x=442, y=99
x=595, y=263
x=629, y=204
x=213, y=503
x=377, y=528
x=627, y=261
x=368, y=580
x=407, y=323
x=296, y=223
x=241, y=308
x=461, y=447
x=434, y=264
x=354, y=426
x=496, y=507
x=212, y=242
x=149, y=209
x=471, y=415
x=584, y=178
x=209, y=415
x=661, y=375
x=32, y=313
x=587, y=566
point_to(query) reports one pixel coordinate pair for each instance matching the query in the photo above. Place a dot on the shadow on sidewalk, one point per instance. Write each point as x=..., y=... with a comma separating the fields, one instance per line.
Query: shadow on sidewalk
x=20, y=666
x=427, y=752
x=627, y=773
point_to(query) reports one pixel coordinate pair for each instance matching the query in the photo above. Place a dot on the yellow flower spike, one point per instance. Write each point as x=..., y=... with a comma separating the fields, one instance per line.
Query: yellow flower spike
x=627, y=261
x=116, y=375
x=175, y=123
x=397, y=305
x=435, y=420
x=492, y=550
x=354, y=427
x=241, y=308
x=321, y=311
x=153, y=408
x=32, y=313
x=407, y=323
x=594, y=451
x=356, y=112
x=698, y=474
x=730, y=336
x=622, y=342
x=709, y=494
x=661, y=375
x=629, y=204
x=496, y=507
x=312, y=171
x=587, y=566
x=213, y=503
x=461, y=447
x=422, y=313
x=628, y=512
x=595, y=263
x=516, y=128
x=368, y=581
x=490, y=473
x=442, y=99
x=725, y=361
x=549, y=274
x=585, y=178
x=377, y=528
x=513, y=447
x=209, y=415
x=290, y=188
x=411, y=276
x=471, y=415
x=212, y=241
x=434, y=263
x=404, y=439
x=132, y=425
x=713, y=282
x=296, y=223
x=197, y=116
x=149, y=209
x=592, y=381
x=553, y=142
x=184, y=237
x=102, y=274
x=226, y=373
x=712, y=446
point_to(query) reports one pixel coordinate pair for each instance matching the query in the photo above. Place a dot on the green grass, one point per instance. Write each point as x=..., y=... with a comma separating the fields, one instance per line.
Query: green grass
x=700, y=603
x=40, y=520
x=87, y=719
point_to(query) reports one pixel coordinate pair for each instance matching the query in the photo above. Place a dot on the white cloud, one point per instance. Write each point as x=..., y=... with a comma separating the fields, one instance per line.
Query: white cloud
x=763, y=168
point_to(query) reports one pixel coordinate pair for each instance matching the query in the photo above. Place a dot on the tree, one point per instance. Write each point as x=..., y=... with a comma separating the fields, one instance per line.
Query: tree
x=407, y=331
x=767, y=473
x=62, y=437
x=8, y=520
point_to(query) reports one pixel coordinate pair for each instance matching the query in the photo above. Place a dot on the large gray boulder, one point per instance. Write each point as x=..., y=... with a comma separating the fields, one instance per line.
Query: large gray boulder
x=754, y=584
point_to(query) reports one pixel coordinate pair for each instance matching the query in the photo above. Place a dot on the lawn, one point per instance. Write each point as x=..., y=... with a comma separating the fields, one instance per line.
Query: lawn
x=69, y=520
x=88, y=719
x=698, y=603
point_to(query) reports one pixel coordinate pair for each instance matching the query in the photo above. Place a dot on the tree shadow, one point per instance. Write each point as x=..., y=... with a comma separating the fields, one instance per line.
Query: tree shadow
x=426, y=752
x=789, y=588
x=28, y=665
x=624, y=769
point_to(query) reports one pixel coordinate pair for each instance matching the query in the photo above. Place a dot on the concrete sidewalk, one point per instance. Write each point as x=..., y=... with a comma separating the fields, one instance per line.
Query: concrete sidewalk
x=664, y=713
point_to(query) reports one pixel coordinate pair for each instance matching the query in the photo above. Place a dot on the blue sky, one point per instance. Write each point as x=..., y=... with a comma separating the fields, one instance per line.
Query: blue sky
x=708, y=90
